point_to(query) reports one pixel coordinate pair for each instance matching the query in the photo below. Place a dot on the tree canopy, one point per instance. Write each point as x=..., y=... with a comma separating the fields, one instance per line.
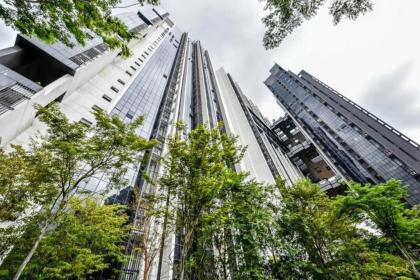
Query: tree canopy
x=197, y=172
x=383, y=205
x=228, y=225
x=68, y=21
x=320, y=244
x=284, y=16
x=232, y=227
x=39, y=182
x=82, y=242
x=74, y=21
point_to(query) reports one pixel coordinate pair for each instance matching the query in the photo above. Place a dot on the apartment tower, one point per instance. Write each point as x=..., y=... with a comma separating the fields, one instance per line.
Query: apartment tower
x=168, y=78
x=358, y=145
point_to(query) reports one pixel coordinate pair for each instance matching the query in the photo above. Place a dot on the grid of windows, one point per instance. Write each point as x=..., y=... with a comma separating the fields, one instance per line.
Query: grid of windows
x=357, y=154
x=89, y=54
x=14, y=89
x=72, y=57
x=77, y=55
x=144, y=95
x=141, y=98
x=10, y=97
x=133, y=21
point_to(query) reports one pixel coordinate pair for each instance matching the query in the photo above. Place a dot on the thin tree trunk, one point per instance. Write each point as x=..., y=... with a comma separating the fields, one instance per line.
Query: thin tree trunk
x=162, y=243
x=231, y=253
x=146, y=230
x=408, y=257
x=53, y=215
x=185, y=248
x=184, y=253
x=146, y=265
x=33, y=249
x=221, y=254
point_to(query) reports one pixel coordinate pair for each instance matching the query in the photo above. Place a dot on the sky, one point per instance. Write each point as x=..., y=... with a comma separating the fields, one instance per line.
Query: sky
x=375, y=61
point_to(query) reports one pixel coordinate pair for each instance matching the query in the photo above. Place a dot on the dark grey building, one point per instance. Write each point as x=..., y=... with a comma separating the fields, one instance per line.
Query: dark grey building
x=305, y=156
x=362, y=147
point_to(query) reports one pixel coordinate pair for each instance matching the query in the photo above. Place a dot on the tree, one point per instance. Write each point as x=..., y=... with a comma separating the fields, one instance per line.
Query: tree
x=23, y=189
x=221, y=216
x=72, y=153
x=240, y=228
x=284, y=16
x=68, y=21
x=232, y=227
x=383, y=205
x=81, y=243
x=151, y=231
x=327, y=246
x=17, y=190
x=197, y=171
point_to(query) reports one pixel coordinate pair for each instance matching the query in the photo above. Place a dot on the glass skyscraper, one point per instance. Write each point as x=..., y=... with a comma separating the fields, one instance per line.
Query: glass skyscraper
x=305, y=155
x=168, y=78
x=360, y=146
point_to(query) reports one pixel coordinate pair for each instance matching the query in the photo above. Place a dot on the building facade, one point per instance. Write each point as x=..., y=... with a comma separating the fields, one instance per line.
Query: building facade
x=168, y=78
x=265, y=158
x=358, y=145
x=304, y=155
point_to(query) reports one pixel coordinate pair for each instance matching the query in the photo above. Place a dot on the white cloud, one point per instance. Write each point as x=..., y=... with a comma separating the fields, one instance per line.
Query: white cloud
x=395, y=99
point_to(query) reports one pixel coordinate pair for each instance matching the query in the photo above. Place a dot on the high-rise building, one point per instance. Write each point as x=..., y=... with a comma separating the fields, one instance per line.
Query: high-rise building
x=358, y=145
x=304, y=155
x=86, y=78
x=265, y=158
x=168, y=78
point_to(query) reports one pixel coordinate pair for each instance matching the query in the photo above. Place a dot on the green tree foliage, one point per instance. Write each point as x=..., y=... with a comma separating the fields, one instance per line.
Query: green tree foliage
x=197, y=172
x=81, y=243
x=57, y=165
x=284, y=16
x=18, y=186
x=245, y=220
x=232, y=227
x=383, y=205
x=322, y=245
x=23, y=189
x=68, y=21
x=229, y=226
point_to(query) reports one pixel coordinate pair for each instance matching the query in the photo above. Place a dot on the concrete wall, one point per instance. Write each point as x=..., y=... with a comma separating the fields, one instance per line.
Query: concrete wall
x=253, y=161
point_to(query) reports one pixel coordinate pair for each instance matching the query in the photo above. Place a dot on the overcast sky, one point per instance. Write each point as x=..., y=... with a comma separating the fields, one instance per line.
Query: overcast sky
x=374, y=61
